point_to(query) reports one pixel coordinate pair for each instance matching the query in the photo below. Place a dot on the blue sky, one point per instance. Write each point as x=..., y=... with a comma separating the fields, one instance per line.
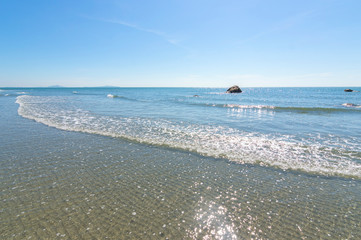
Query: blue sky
x=180, y=43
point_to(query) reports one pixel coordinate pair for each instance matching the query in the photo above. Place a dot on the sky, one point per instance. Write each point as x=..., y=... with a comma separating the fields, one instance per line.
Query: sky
x=180, y=43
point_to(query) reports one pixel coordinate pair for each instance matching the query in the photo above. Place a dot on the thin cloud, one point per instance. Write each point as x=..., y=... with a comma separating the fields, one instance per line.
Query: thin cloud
x=163, y=35
x=134, y=26
x=283, y=25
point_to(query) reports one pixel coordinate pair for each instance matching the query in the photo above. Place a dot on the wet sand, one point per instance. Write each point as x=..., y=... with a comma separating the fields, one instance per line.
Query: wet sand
x=67, y=185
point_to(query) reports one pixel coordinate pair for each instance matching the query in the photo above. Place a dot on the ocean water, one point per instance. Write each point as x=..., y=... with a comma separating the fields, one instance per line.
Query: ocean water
x=180, y=163
x=309, y=129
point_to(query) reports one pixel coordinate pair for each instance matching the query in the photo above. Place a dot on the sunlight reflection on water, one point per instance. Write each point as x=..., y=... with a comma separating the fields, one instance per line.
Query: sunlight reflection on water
x=213, y=222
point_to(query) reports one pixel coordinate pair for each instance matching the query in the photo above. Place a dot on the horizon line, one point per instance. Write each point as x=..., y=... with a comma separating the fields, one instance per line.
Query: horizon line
x=184, y=87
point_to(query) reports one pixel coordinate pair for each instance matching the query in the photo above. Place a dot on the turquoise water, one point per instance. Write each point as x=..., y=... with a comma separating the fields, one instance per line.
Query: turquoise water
x=157, y=163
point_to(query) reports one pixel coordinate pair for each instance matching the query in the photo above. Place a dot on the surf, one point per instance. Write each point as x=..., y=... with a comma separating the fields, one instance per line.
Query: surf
x=236, y=145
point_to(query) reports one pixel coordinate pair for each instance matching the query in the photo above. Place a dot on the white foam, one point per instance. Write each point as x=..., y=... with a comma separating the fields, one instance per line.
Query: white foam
x=351, y=105
x=214, y=141
x=249, y=106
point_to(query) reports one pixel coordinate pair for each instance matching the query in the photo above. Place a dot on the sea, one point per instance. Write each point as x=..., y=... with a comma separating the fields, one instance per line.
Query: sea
x=180, y=163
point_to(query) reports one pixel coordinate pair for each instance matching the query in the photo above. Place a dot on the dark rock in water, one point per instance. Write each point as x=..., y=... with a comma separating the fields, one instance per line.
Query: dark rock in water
x=195, y=95
x=234, y=89
x=348, y=90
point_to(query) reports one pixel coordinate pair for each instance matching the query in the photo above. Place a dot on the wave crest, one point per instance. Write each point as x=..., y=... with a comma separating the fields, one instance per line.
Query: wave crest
x=350, y=108
x=208, y=140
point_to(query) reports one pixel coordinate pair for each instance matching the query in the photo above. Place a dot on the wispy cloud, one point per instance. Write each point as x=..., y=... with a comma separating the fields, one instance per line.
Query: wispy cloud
x=163, y=35
x=280, y=26
x=134, y=26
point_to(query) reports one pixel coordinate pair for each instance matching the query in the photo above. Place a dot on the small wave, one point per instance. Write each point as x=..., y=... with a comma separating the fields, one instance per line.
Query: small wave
x=9, y=95
x=120, y=97
x=289, y=109
x=294, y=109
x=249, y=106
x=214, y=141
x=314, y=109
x=88, y=94
x=115, y=96
x=217, y=105
x=351, y=105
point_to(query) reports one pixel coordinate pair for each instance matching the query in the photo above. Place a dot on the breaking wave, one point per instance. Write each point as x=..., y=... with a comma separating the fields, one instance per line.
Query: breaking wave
x=209, y=140
x=346, y=107
x=120, y=97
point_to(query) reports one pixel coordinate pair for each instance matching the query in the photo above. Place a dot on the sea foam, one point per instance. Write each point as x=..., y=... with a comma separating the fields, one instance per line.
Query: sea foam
x=209, y=140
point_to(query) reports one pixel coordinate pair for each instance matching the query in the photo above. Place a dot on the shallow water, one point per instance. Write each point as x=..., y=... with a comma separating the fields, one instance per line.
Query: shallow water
x=73, y=185
x=308, y=129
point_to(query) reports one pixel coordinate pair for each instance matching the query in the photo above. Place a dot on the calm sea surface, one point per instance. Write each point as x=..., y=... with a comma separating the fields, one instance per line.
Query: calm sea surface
x=180, y=163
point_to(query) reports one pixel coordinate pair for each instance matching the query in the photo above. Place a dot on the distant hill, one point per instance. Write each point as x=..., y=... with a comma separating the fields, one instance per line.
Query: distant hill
x=108, y=87
x=58, y=86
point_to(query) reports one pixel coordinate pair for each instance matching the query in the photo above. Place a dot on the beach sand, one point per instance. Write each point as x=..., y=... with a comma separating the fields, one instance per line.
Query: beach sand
x=67, y=185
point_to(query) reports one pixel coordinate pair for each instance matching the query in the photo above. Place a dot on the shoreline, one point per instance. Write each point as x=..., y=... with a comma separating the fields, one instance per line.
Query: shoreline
x=60, y=184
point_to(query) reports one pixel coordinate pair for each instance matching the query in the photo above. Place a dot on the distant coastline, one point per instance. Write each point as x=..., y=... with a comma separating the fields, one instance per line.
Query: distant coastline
x=138, y=87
